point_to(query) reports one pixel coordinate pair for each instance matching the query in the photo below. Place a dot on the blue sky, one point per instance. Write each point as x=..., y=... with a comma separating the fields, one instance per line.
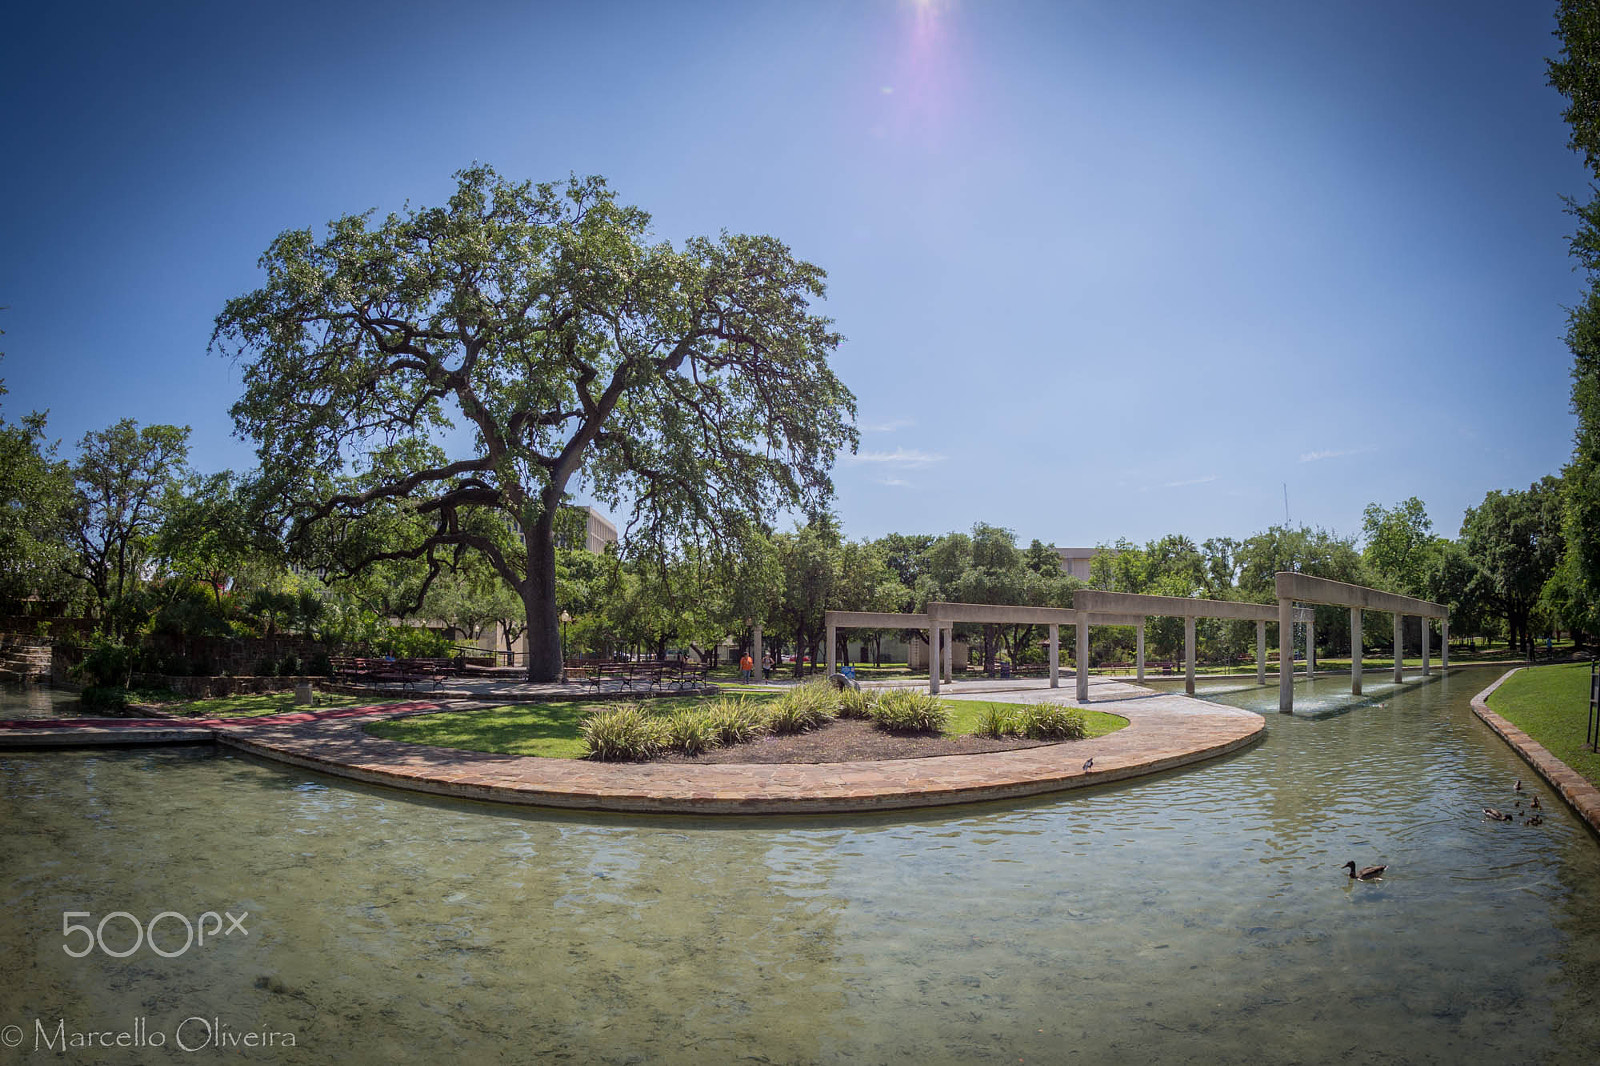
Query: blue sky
x=1104, y=269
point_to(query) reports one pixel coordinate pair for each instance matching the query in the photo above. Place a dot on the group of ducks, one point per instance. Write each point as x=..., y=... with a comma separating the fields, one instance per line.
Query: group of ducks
x=1531, y=816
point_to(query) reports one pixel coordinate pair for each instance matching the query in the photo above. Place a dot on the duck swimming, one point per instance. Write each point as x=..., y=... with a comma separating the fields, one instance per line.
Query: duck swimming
x=1490, y=812
x=1366, y=873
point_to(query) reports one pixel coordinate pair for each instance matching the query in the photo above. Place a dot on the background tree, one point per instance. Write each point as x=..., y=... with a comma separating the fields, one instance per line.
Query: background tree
x=1515, y=540
x=36, y=495
x=124, y=475
x=1400, y=546
x=692, y=383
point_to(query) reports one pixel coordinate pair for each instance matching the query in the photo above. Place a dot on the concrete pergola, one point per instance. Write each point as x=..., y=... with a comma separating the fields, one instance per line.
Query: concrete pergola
x=1308, y=589
x=1095, y=604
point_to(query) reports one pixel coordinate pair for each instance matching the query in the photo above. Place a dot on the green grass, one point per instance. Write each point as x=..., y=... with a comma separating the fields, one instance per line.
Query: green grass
x=1551, y=705
x=552, y=730
x=256, y=704
x=549, y=730
x=966, y=714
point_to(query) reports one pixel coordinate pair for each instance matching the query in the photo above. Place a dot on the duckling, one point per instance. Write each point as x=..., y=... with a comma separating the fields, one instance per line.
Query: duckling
x=1518, y=786
x=1490, y=812
x=1537, y=819
x=1536, y=804
x=1366, y=873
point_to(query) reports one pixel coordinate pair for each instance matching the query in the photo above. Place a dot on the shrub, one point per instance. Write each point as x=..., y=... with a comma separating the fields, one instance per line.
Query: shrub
x=108, y=665
x=108, y=697
x=1051, y=721
x=689, y=730
x=736, y=721
x=266, y=668
x=320, y=665
x=906, y=711
x=622, y=733
x=856, y=704
x=803, y=708
x=290, y=666
x=997, y=722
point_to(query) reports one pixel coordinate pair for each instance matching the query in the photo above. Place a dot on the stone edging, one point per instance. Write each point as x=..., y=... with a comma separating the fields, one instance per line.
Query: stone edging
x=1573, y=787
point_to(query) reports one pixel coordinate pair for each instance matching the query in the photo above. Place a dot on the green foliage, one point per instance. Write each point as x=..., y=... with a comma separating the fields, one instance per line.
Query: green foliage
x=690, y=730
x=320, y=665
x=736, y=720
x=36, y=495
x=997, y=721
x=713, y=407
x=856, y=703
x=1050, y=721
x=1515, y=540
x=266, y=667
x=104, y=697
x=622, y=733
x=802, y=708
x=289, y=666
x=1400, y=546
x=904, y=710
x=108, y=664
x=414, y=642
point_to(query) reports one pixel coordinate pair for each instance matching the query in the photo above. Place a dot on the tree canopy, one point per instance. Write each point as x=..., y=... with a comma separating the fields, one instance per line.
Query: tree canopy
x=691, y=384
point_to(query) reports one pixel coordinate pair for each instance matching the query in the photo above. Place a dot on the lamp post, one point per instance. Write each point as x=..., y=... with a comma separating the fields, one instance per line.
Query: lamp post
x=565, y=618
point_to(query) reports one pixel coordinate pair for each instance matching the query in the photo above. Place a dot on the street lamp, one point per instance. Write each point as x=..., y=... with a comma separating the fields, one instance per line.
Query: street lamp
x=565, y=618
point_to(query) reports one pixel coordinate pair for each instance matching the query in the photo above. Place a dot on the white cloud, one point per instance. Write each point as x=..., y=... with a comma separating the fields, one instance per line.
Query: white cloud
x=888, y=425
x=1191, y=481
x=894, y=481
x=1331, y=453
x=899, y=457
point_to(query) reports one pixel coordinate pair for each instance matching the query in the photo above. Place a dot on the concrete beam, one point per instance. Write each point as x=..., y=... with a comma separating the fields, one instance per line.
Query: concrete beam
x=1097, y=602
x=1399, y=649
x=1083, y=661
x=1001, y=614
x=874, y=620
x=1188, y=655
x=1308, y=589
x=1261, y=652
x=1055, y=656
x=1140, y=660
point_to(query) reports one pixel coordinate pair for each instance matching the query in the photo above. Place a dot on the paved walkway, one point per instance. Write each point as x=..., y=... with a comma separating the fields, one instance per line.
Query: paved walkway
x=1164, y=731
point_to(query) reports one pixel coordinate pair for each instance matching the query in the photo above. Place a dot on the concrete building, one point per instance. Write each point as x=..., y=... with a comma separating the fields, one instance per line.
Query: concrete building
x=1076, y=561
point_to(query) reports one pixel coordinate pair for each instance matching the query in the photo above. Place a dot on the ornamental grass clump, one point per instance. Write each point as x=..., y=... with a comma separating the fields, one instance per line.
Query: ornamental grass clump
x=736, y=720
x=803, y=708
x=906, y=711
x=622, y=733
x=854, y=703
x=1051, y=721
x=996, y=722
x=689, y=730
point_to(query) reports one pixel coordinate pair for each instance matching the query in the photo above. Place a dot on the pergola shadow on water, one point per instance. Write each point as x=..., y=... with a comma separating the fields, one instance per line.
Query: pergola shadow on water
x=1091, y=607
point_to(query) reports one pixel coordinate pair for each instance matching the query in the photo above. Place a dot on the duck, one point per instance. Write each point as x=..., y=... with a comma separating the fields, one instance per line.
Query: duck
x=1366, y=873
x=1518, y=786
x=1537, y=819
x=1536, y=804
x=1490, y=812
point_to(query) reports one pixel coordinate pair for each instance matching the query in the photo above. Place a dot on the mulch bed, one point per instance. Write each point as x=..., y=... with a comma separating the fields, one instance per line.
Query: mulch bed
x=851, y=740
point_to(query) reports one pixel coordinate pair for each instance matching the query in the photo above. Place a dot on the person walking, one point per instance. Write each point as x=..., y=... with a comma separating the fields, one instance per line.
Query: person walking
x=766, y=666
x=747, y=668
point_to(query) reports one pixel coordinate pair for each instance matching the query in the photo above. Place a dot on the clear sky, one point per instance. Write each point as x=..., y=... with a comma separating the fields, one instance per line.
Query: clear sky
x=1104, y=268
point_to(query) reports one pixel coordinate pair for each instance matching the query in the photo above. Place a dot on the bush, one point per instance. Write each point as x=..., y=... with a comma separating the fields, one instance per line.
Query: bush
x=175, y=666
x=266, y=668
x=690, y=731
x=622, y=733
x=997, y=722
x=108, y=665
x=320, y=665
x=856, y=704
x=107, y=697
x=736, y=721
x=290, y=666
x=803, y=708
x=1051, y=721
x=906, y=711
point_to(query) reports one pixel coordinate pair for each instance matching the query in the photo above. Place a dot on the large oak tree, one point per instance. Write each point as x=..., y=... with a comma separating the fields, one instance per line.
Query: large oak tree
x=690, y=384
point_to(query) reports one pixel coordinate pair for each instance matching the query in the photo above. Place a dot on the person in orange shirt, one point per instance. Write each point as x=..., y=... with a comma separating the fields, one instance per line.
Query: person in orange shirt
x=747, y=667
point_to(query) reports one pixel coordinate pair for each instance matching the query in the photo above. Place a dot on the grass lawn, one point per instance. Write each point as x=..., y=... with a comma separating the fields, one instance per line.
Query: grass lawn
x=1551, y=705
x=550, y=730
x=254, y=704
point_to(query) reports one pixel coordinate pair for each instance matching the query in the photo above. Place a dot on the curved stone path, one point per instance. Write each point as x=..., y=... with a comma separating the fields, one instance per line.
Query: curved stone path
x=1164, y=731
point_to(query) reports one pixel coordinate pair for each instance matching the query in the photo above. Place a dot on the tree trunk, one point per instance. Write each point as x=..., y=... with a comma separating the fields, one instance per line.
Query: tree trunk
x=539, y=601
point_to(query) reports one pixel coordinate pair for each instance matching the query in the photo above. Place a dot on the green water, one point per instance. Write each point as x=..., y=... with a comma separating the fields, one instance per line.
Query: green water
x=1200, y=916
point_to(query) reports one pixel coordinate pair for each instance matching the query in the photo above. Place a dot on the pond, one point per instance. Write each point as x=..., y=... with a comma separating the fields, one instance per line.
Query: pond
x=1200, y=915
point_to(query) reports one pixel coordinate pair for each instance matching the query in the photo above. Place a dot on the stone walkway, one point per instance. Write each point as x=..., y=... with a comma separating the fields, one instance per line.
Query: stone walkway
x=1164, y=731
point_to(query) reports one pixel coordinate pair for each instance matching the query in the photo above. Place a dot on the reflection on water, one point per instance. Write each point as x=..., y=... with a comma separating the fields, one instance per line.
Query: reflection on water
x=1197, y=916
x=40, y=701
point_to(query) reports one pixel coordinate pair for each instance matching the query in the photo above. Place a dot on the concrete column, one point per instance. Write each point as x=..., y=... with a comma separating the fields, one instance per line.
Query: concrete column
x=1444, y=645
x=949, y=655
x=1286, y=656
x=1055, y=656
x=1139, y=632
x=1083, y=660
x=1311, y=650
x=1261, y=653
x=933, y=659
x=759, y=650
x=1399, y=648
x=1355, y=651
x=1188, y=655
x=1426, y=637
